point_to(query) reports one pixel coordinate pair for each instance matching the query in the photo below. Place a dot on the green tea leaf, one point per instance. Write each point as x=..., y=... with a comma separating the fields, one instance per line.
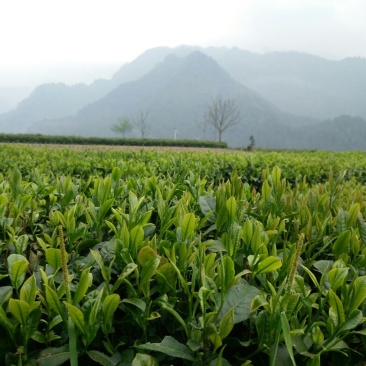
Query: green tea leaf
x=17, y=267
x=311, y=275
x=136, y=237
x=29, y=290
x=54, y=302
x=336, y=311
x=103, y=359
x=226, y=324
x=5, y=294
x=188, y=226
x=130, y=268
x=171, y=347
x=20, y=310
x=102, y=212
x=149, y=261
x=231, y=208
x=53, y=257
x=247, y=231
x=222, y=217
x=358, y=293
x=269, y=264
x=54, y=356
x=98, y=258
x=95, y=309
x=76, y=316
x=116, y=174
x=352, y=214
x=341, y=245
x=354, y=319
x=208, y=206
x=110, y=305
x=139, y=303
x=336, y=277
x=84, y=283
x=142, y=359
x=228, y=273
x=239, y=298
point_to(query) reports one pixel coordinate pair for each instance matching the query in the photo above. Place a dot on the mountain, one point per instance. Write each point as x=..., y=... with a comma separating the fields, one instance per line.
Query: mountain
x=299, y=83
x=175, y=86
x=11, y=96
x=176, y=94
x=340, y=133
x=50, y=101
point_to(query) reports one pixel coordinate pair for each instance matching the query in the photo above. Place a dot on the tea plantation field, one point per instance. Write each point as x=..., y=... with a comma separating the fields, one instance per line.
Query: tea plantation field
x=181, y=258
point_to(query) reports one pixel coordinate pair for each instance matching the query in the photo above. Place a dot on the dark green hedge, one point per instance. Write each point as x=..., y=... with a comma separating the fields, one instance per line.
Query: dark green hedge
x=80, y=140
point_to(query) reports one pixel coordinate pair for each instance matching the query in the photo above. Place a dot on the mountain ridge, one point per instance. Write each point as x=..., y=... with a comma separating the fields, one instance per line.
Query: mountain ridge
x=199, y=73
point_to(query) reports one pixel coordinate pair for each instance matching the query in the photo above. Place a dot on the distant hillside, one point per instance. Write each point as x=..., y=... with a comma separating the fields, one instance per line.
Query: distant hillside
x=175, y=86
x=341, y=133
x=11, y=96
x=297, y=83
x=50, y=101
x=176, y=94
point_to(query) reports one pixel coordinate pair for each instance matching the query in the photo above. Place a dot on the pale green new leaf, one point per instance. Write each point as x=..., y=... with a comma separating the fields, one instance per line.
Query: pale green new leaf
x=188, y=225
x=20, y=310
x=110, y=305
x=358, y=293
x=54, y=302
x=226, y=324
x=29, y=290
x=336, y=277
x=341, y=245
x=95, y=309
x=231, y=207
x=53, y=257
x=85, y=281
x=17, y=267
x=76, y=316
x=336, y=311
x=142, y=359
x=269, y=264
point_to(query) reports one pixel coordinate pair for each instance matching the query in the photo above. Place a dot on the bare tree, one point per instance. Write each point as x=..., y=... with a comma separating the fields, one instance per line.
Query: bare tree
x=140, y=121
x=123, y=126
x=222, y=114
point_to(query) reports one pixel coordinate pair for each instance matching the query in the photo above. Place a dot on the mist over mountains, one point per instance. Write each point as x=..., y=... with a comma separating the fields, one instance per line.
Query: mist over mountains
x=286, y=99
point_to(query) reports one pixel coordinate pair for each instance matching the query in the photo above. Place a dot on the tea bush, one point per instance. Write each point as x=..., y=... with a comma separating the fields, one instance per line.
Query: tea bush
x=152, y=258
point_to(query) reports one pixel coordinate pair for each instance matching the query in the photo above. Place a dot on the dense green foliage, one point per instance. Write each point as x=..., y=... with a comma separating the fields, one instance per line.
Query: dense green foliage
x=82, y=140
x=155, y=258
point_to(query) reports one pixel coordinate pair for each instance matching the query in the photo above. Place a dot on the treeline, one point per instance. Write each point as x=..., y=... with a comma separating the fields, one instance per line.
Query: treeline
x=80, y=140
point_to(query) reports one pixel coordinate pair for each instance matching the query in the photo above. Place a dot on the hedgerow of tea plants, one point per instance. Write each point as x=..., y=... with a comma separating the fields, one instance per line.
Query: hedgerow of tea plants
x=147, y=258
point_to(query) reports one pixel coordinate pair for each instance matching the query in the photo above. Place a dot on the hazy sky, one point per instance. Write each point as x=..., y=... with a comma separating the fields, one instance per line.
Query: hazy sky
x=34, y=33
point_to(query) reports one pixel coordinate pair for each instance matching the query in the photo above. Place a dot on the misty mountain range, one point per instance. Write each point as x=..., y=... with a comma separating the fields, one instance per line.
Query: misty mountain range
x=286, y=99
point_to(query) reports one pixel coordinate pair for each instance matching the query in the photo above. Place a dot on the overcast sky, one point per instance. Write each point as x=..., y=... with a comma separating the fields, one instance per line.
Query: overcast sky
x=35, y=33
